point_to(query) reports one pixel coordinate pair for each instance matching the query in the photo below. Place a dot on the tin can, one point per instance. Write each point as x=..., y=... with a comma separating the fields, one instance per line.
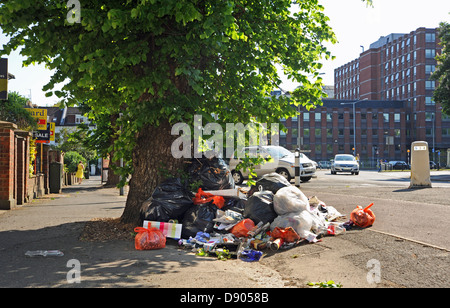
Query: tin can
x=276, y=244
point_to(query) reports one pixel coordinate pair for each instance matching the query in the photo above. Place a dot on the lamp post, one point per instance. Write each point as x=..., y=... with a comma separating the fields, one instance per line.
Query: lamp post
x=354, y=122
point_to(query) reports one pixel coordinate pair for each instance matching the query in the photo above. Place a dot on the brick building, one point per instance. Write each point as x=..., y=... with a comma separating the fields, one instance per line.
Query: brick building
x=398, y=67
x=329, y=130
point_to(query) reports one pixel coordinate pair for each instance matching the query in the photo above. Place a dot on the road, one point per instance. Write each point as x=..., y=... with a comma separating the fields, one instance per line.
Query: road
x=374, y=178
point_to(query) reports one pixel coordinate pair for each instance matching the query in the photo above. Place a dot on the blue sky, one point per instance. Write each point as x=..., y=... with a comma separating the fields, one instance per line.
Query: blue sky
x=354, y=24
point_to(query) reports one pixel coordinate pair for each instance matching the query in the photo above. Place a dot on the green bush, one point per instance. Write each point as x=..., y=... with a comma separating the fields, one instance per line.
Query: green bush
x=71, y=160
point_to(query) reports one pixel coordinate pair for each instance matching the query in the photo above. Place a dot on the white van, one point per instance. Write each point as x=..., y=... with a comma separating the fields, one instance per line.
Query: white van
x=283, y=163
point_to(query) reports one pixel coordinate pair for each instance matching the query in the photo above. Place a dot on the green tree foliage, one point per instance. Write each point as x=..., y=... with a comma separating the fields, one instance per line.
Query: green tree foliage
x=13, y=110
x=71, y=160
x=159, y=62
x=442, y=74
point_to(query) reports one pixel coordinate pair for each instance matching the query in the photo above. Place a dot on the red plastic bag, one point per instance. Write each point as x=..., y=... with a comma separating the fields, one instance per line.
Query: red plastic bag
x=363, y=217
x=147, y=239
x=287, y=234
x=202, y=197
x=242, y=228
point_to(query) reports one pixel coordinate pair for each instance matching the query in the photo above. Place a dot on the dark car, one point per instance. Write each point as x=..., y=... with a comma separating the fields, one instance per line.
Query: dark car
x=399, y=165
x=433, y=165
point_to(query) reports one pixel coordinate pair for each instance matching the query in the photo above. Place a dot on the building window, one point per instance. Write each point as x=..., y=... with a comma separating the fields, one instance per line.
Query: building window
x=386, y=117
x=430, y=84
x=429, y=116
x=446, y=132
x=430, y=37
x=318, y=132
x=306, y=132
x=318, y=116
x=306, y=116
x=397, y=117
x=430, y=53
x=429, y=69
x=429, y=100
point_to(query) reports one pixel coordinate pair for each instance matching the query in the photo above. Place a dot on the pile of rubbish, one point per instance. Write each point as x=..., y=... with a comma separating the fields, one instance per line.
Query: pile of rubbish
x=227, y=221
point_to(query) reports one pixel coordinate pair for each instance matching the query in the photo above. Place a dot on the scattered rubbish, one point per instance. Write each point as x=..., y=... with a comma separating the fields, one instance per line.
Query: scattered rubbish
x=213, y=174
x=363, y=217
x=225, y=221
x=44, y=253
x=250, y=255
x=169, y=229
x=148, y=239
x=170, y=200
x=271, y=182
x=203, y=197
x=259, y=207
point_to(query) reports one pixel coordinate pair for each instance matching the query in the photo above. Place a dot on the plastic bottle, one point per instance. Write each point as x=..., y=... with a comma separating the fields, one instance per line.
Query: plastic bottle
x=335, y=229
x=44, y=253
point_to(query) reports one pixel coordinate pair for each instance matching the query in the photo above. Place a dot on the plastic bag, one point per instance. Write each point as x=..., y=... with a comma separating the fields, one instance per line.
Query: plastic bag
x=170, y=200
x=363, y=217
x=259, y=207
x=305, y=223
x=203, y=197
x=290, y=199
x=213, y=173
x=287, y=234
x=271, y=182
x=198, y=218
x=242, y=228
x=147, y=239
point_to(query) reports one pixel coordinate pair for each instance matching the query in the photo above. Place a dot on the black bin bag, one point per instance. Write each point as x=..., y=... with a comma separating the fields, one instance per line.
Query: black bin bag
x=198, y=218
x=259, y=207
x=272, y=182
x=170, y=200
x=213, y=173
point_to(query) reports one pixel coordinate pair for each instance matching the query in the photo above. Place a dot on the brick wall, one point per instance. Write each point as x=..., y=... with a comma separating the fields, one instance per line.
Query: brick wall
x=7, y=167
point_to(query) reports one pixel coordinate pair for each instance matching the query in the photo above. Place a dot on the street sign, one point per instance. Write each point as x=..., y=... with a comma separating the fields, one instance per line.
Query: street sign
x=51, y=127
x=41, y=116
x=3, y=79
x=41, y=135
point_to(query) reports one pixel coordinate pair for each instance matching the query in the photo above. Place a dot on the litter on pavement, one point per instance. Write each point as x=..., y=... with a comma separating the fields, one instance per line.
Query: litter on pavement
x=222, y=220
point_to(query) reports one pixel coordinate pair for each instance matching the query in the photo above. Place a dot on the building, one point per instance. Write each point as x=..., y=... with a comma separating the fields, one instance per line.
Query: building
x=398, y=67
x=330, y=129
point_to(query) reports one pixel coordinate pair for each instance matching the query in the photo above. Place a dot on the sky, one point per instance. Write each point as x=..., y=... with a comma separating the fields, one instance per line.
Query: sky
x=353, y=23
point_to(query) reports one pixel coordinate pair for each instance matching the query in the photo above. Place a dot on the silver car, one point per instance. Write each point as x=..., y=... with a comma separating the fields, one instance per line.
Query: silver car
x=283, y=163
x=345, y=163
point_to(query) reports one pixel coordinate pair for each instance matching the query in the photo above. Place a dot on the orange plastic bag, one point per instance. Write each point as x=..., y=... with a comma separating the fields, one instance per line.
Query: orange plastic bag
x=363, y=217
x=202, y=197
x=147, y=239
x=287, y=234
x=242, y=228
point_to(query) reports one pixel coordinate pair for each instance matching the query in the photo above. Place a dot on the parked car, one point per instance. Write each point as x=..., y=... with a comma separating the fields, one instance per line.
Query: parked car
x=283, y=163
x=345, y=163
x=399, y=165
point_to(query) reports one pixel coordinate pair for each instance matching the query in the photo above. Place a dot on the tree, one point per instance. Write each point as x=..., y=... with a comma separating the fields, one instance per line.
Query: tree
x=160, y=62
x=442, y=74
x=13, y=110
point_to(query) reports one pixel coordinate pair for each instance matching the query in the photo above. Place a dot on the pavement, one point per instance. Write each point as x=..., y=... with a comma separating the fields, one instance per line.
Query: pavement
x=408, y=246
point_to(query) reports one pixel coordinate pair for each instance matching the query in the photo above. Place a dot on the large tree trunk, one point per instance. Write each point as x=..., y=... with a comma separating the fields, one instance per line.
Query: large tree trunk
x=151, y=155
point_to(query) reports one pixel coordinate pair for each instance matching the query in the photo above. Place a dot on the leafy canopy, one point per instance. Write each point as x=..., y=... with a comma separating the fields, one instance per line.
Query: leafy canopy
x=166, y=60
x=442, y=73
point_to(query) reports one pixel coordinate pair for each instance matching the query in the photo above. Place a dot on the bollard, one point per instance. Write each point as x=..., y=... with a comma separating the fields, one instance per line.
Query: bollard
x=420, y=165
x=297, y=168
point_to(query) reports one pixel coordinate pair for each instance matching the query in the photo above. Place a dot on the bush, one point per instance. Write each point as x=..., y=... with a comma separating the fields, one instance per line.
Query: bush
x=71, y=160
